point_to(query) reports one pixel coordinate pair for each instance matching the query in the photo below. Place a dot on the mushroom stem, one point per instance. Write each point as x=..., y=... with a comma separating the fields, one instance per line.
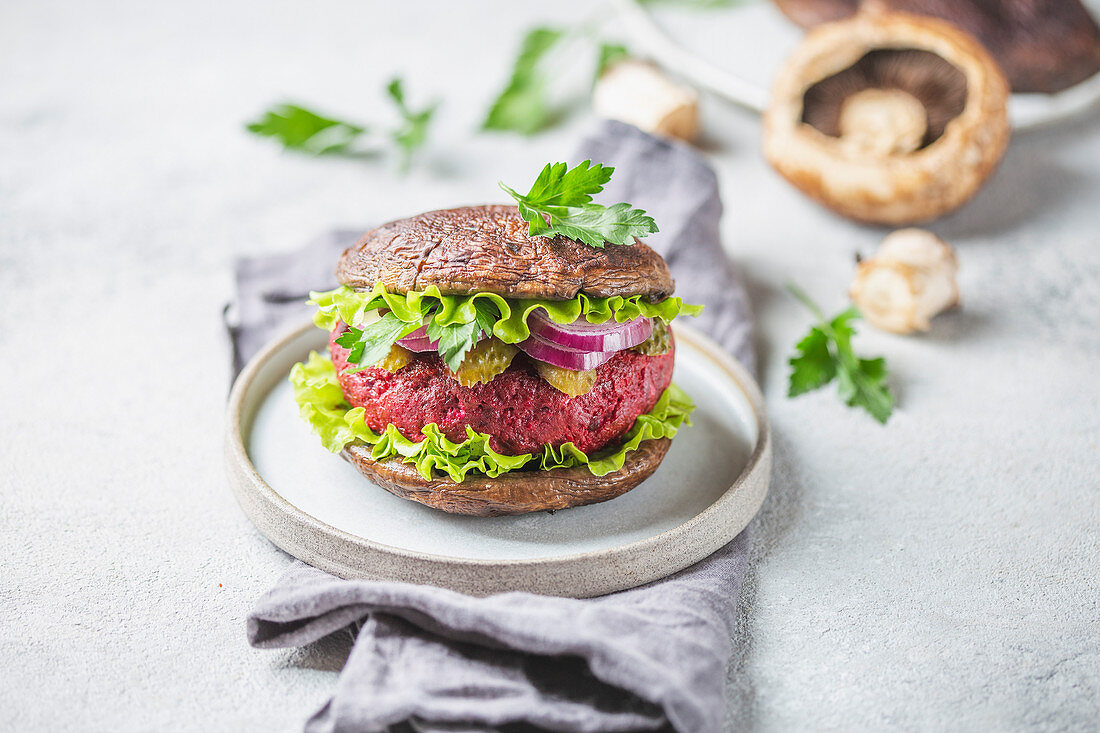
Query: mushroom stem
x=883, y=121
x=910, y=279
x=640, y=94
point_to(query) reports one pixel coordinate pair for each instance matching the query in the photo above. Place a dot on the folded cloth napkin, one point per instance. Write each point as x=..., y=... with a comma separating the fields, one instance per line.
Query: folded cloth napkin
x=428, y=659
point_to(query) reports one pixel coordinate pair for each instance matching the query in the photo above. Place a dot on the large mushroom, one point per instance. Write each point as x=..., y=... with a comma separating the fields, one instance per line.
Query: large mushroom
x=888, y=118
x=1042, y=45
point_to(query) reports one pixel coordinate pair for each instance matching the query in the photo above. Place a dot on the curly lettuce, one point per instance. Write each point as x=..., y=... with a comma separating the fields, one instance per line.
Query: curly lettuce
x=349, y=305
x=321, y=403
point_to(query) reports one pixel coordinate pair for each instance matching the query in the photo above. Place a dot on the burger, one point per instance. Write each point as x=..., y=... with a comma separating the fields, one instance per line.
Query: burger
x=479, y=369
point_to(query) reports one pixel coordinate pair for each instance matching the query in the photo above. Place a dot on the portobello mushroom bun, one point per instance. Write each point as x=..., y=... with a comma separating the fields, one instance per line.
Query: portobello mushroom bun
x=481, y=370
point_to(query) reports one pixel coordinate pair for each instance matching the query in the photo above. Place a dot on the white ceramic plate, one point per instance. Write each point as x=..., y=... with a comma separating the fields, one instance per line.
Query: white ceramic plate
x=318, y=508
x=735, y=52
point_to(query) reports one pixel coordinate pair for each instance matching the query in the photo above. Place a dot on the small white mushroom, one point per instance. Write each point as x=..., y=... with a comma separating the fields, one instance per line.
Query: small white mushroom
x=640, y=94
x=909, y=279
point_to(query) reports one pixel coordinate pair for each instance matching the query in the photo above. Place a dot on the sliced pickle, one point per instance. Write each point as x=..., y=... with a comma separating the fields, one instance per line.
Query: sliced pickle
x=659, y=342
x=483, y=362
x=396, y=359
x=568, y=381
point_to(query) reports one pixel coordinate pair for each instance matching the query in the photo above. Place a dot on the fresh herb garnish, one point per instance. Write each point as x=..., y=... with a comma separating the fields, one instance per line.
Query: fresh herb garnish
x=298, y=128
x=560, y=202
x=414, y=129
x=370, y=344
x=522, y=105
x=455, y=340
x=825, y=353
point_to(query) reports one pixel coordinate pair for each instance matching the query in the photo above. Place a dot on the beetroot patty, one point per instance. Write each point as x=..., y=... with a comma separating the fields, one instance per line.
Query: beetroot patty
x=518, y=408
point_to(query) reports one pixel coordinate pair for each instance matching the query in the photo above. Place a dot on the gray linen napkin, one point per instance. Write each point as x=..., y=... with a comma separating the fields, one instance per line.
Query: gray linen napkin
x=429, y=659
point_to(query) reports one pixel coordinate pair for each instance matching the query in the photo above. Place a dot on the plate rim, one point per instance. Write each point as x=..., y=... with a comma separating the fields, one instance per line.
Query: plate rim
x=259, y=500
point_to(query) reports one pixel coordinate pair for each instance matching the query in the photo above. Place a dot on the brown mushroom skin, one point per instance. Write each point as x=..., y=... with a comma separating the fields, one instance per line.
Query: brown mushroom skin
x=894, y=189
x=487, y=249
x=518, y=492
x=1042, y=45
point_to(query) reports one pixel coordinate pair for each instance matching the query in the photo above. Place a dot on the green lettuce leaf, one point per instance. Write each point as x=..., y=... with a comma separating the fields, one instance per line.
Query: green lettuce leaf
x=348, y=305
x=321, y=403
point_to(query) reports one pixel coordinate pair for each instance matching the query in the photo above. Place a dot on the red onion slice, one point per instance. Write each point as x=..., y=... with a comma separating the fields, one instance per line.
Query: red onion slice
x=578, y=361
x=580, y=335
x=418, y=340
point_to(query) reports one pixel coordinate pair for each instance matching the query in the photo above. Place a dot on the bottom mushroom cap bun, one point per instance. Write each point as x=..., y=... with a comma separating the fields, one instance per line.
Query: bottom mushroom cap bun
x=517, y=492
x=487, y=249
x=888, y=118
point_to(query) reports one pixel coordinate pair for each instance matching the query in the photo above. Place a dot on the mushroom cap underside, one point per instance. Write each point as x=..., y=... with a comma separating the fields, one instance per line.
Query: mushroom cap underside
x=887, y=163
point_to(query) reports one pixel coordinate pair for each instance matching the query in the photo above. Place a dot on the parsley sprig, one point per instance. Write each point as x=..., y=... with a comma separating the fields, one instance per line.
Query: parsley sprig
x=371, y=343
x=305, y=131
x=825, y=354
x=298, y=128
x=522, y=105
x=455, y=340
x=609, y=54
x=560, y=203
x=413, y=132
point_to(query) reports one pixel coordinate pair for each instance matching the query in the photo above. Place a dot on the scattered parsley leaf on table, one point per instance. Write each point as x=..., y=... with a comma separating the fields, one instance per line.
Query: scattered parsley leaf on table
x=522, y=105
x=610, y=53
x=298, y=128
x=560, y=202
x=414, y=130
x=825, y=353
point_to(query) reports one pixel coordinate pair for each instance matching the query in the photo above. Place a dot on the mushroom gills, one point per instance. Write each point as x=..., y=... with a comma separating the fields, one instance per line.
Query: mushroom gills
x=891, y=101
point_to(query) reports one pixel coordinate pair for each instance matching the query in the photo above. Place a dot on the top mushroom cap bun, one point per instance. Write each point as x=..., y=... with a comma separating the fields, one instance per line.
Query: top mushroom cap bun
x=888, y=118
x=487, y=249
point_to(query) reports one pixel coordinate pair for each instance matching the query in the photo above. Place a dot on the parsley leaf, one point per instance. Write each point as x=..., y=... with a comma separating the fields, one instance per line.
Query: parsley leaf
x=457, y=339
x=297, y=128
x=522, y=105
x=414, y=130
x=558, y=185
x=559, y=202
x=610, y=53
x=813, y=367
x=370, y=344
x=825, y=353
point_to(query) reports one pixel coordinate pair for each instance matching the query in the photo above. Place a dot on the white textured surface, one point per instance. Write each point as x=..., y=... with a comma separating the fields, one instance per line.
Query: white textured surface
x=939, y=573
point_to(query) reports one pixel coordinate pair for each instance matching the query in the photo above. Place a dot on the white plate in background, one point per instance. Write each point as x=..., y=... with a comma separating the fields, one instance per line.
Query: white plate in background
x=736, y=51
